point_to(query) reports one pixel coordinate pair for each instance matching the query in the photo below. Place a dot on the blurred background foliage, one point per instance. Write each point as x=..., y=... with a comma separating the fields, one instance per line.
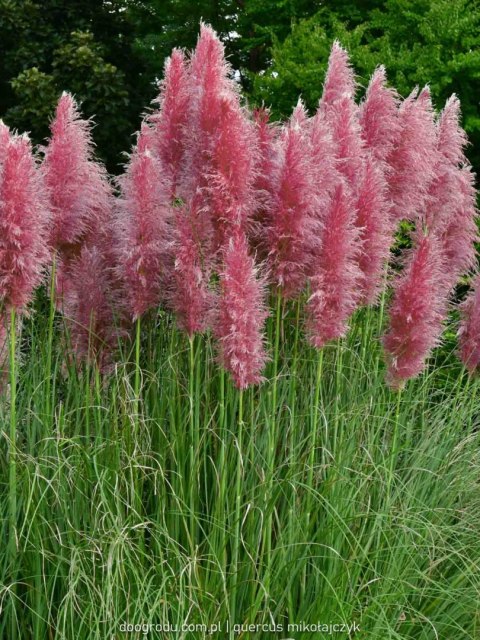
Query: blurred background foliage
x=110, y=54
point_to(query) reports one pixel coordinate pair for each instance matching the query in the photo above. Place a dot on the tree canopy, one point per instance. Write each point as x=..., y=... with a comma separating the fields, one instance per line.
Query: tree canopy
x=110, y=54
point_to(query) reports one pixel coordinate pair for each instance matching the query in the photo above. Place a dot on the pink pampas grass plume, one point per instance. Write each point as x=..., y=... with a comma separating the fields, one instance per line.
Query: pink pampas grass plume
x=77, y=185
x=191, y=297
x=412, y=159
x=379, y=116
x=452, y=139
x=24, y=225
x=375, y=231
x=323, y=150
x=335, y=281
x=451, y=204
x=343, y=119
x=209, y=86
x=230, y=184
x=340, y=78
x=292, y=231
x=469, y=331
x=90, y=309
x=167, y=124
x=4, y=139
x=143, y=241
x=241, y=315
x=416, y=313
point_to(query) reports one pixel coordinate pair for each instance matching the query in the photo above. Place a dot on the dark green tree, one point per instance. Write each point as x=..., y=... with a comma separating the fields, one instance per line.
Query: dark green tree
x=82, y=46
x=419, y=41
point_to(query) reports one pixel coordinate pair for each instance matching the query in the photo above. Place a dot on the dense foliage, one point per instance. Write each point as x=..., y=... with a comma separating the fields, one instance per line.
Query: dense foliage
x=109, y=54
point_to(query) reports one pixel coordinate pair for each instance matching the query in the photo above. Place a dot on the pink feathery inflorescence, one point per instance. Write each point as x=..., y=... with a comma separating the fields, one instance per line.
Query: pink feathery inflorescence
x=335, y=281
x=323, y=150
x=412, y=160
x=451, y=204
x=469, y=331
x=241, y=314
x=229, y=191
x=4, y=139
x=340, y=78
x=144, y=213
x=379, y=120
x=191, y=297
x=341, y=113
x=208, y=87
x=90, y=308
x=292, y=227
x=264, y=185
x=416, y=313
x=77, y=185
x=168, y=122
x=24, y=225
x=375, y=231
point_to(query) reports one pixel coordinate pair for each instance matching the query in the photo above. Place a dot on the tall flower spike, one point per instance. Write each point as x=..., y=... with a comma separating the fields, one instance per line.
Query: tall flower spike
x=90, y=308
x=143, y=242
x=379, y=116
x=167, y=123
x=347, y=138
x=190, y=296
x=323, y=151
x=241, y=315
x=452, y=139
x=209, y=85
x=375, y=231
x=292, y=231
x=24, y=225
x=340, y=78
x=4, y=140
x=78, y=187
x=334, y=283
x=469, y=331
x=451, y=203
x=412, y=160
x=416, y=313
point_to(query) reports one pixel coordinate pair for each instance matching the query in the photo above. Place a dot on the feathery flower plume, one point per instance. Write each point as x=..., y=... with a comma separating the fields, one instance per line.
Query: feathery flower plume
x=340, y=78
x=24, y=225
x=209, y=85
x=452, y=139
x=412, y=159
x=191, y=297
x=143, y=241
x=335, y=280
x=264, y=186
x=375, y=231
x=416, y=313
x=451, y=203
x=4, y=139
x=292, y=230
x=230, y=184
x=347, y=138
x=78, y=185
x=167, y=123
x=241, y=315
x=323, y=151
x=379, y=116
x=469, y=332
x=90, y=308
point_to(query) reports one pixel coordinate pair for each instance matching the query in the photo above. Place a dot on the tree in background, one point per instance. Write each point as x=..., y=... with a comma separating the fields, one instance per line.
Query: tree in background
x=419, y=41
x=81, y=46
